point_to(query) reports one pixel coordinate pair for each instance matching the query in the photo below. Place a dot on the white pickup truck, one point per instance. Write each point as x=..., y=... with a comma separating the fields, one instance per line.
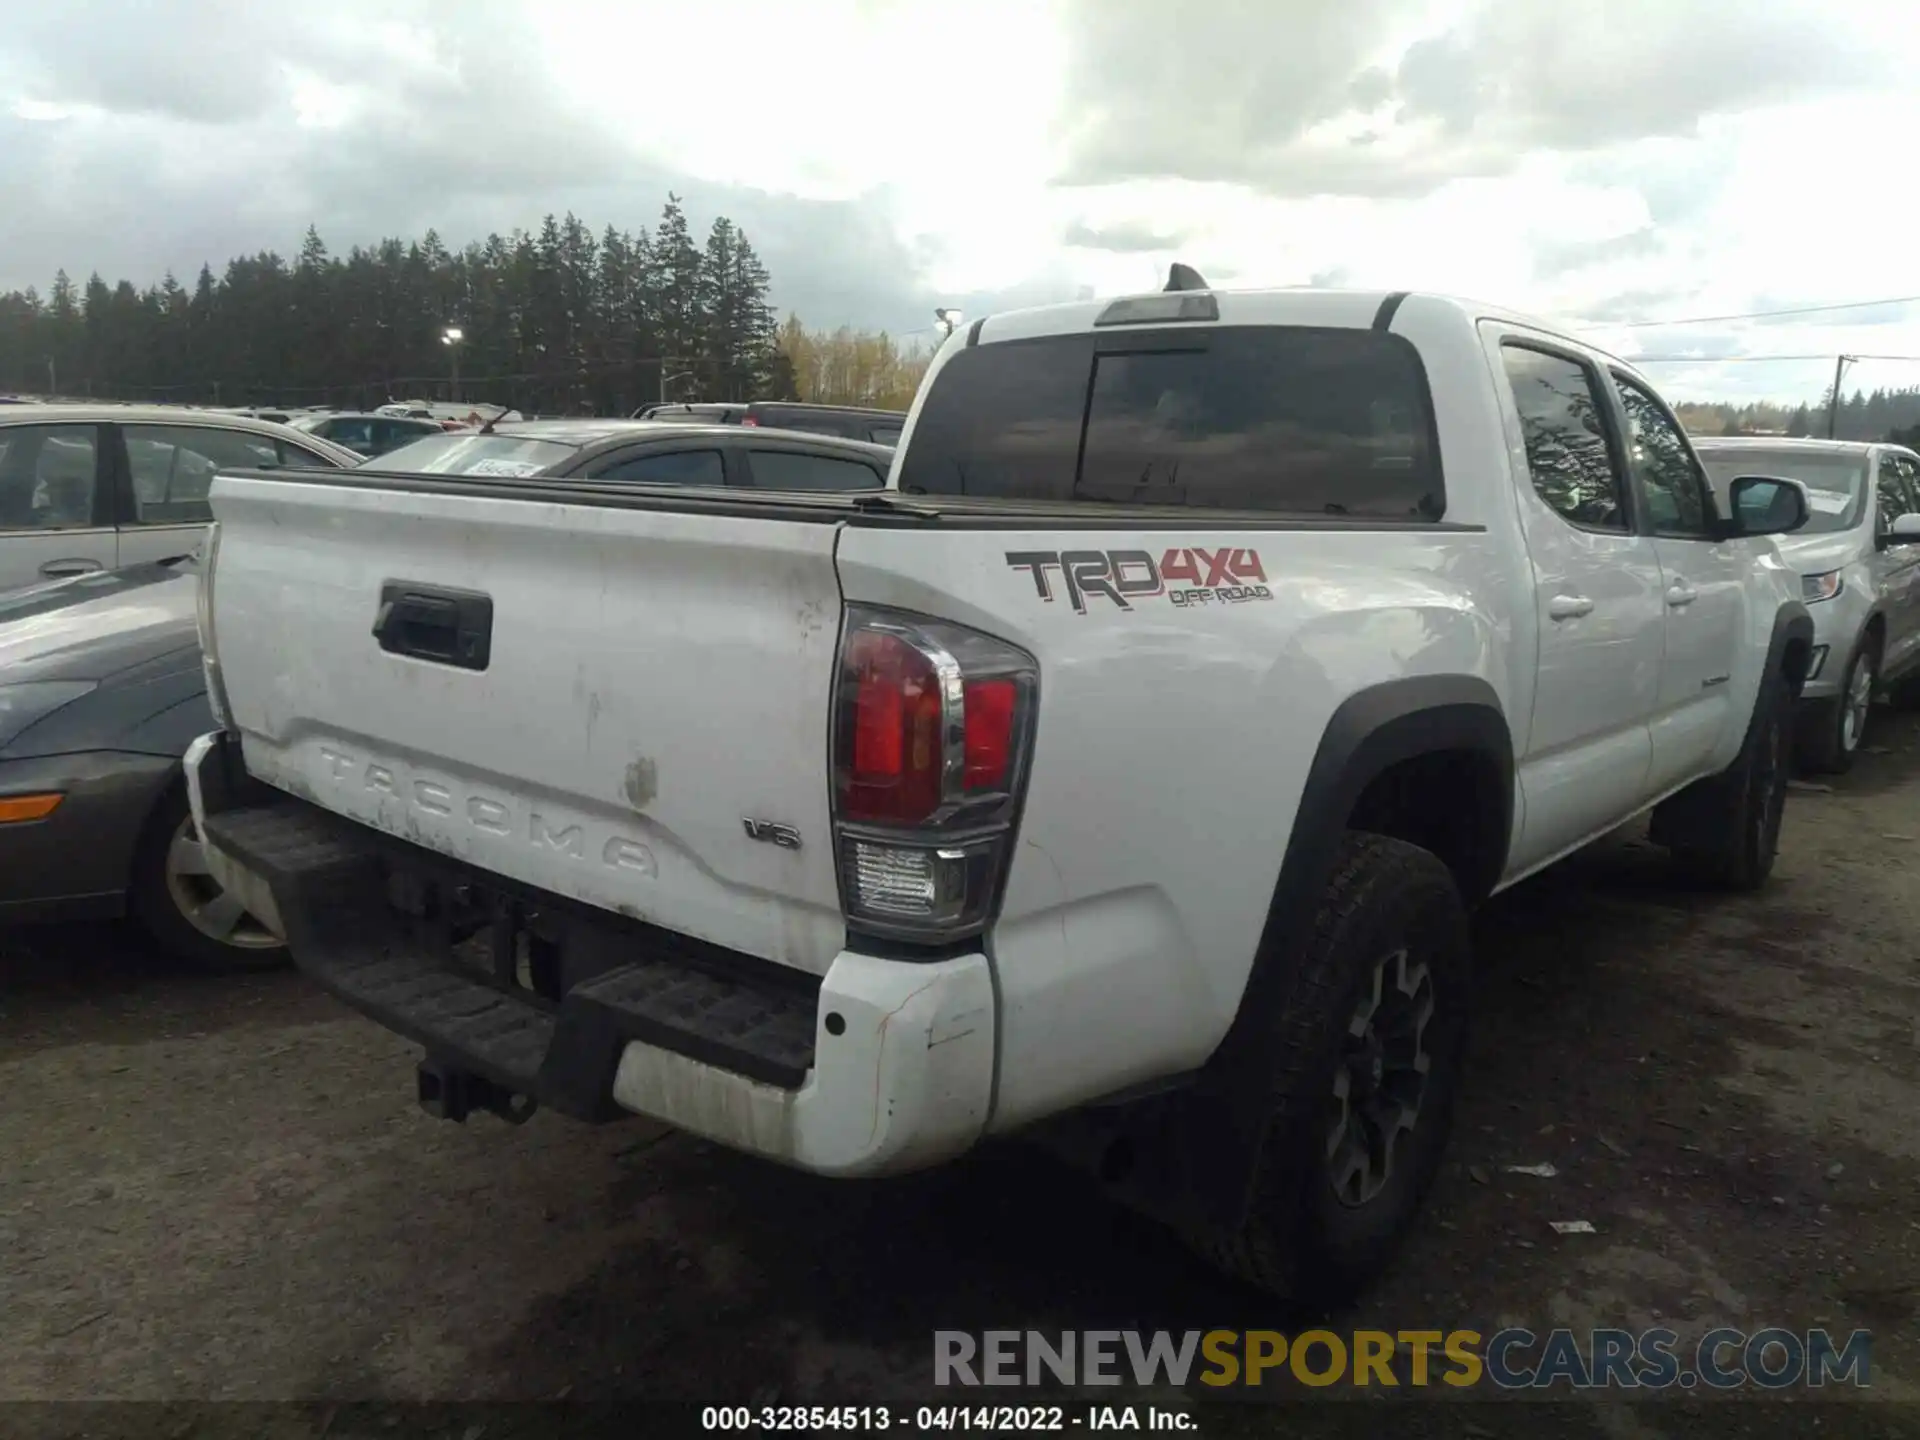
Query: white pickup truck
x=1131, y=763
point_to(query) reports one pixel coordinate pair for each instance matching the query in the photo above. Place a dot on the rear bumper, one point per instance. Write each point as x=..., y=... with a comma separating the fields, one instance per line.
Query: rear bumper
x=883, y=1066
x=76, y=863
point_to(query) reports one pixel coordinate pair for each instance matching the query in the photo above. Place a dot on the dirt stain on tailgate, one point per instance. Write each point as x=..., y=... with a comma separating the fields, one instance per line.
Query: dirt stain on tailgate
x=642, y=783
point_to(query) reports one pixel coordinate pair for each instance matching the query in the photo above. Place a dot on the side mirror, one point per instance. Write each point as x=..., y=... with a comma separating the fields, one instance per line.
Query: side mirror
x=1767, y=505
x=1906, y=530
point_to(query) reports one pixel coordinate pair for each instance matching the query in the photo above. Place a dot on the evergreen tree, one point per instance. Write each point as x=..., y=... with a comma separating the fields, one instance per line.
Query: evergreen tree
x=552, y=320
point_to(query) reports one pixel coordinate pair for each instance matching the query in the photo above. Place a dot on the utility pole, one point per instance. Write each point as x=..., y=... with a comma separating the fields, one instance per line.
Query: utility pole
x=53, y=385
x=1833, y=405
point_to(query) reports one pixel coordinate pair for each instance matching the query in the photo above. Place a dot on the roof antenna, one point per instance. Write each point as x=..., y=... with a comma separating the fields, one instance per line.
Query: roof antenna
x=1185, y=277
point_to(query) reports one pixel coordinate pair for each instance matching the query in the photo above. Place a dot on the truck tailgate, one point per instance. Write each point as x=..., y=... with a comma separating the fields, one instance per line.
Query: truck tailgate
x=625, y=706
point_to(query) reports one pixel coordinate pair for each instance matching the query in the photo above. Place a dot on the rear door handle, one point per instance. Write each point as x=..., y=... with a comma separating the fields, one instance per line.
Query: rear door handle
x=1569, y=607
x=61, y=569
x=1680, y=594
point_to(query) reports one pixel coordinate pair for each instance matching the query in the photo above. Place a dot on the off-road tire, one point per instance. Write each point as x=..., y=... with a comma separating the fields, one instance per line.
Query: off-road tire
x=1297, y=1240
x=151, y=902
x=1818, y=742
x=1726, y=829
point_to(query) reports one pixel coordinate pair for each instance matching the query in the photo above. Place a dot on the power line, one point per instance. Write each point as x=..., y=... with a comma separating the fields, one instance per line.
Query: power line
x=1753, y=359
x=1756, y=314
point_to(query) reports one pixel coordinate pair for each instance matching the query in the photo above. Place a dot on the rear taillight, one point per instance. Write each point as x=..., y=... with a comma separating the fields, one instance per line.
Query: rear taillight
x=932, y=727
x=748, y=420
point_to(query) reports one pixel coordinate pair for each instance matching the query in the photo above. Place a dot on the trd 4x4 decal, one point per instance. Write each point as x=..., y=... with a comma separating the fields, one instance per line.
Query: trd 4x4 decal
x=1186, y=576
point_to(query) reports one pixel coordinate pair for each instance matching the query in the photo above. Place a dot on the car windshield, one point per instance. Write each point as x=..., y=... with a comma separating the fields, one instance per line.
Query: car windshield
x=1836, y=484
x=457, y=454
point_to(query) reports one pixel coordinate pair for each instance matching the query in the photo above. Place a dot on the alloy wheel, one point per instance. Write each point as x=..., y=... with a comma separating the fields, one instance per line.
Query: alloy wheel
x=1857, y=704
x=202, y=902
x=1381, y=1080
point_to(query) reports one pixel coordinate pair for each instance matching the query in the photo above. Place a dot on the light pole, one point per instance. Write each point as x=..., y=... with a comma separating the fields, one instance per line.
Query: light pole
x=666, y=380
x=451, y=338
x=948, y=321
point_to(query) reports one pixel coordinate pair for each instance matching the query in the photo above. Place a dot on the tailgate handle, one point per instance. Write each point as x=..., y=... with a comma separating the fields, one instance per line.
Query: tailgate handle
x=428, y=622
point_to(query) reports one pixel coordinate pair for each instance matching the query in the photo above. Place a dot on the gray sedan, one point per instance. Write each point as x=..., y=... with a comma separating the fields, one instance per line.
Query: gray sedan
x=101, y=692
x=93, y=487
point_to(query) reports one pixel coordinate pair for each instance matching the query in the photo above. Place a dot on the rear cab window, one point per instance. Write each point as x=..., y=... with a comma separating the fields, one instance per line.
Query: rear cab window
x=1281, y=419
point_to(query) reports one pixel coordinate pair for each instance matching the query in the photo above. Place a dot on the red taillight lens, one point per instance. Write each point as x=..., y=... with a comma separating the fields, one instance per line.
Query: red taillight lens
x=748, y=420
x=990, y=706
x=931, y=730
x=895, y=769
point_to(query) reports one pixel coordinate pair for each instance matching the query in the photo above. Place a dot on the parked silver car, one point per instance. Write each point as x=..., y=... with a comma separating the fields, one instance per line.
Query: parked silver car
x=1859, y=563
x=97, y=487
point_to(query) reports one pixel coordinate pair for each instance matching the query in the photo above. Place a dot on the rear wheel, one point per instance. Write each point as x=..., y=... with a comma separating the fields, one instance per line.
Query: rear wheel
x=179, y=903
x=1829, y=735
x=1366, y=1052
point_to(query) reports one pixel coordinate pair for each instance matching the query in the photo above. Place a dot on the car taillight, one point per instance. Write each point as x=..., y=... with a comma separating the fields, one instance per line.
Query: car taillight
x=748, y=420
x=932, y=725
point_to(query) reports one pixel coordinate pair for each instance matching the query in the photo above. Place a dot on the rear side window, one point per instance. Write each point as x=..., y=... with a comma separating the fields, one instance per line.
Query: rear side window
x=674, y=467
x=1567, y=454
x=172, y=467
x=1284, y=419
x=785, y=470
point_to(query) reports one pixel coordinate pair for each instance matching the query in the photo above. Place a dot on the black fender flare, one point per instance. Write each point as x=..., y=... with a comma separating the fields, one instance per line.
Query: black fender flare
x=1371, y=731
x=1791, y=622
x=1219, y=1141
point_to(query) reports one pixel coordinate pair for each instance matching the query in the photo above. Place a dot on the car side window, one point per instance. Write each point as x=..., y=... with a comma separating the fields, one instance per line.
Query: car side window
x=47, y=477
x=1895, y=491
x=172, y=468
x=1568, y=457
x=672, y=467
x=1672, y=485
x=299, y=457
x=355, y=434
x=791, y=470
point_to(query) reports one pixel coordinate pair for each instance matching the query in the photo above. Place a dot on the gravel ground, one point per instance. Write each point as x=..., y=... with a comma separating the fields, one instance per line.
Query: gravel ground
x=220, y=1189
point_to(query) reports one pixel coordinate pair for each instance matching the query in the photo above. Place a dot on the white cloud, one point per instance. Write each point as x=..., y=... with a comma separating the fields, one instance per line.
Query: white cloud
x=1622, y=160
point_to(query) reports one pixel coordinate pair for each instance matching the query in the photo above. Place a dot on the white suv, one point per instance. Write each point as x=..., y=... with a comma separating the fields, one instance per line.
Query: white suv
x=1859, y=563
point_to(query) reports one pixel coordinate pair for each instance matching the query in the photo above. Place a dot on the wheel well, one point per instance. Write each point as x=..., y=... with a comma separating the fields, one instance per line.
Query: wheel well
x=1877, y=627
x=1447, y=802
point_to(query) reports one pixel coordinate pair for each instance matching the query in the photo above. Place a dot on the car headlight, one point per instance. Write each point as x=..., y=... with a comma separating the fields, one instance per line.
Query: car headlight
x=1823, y=586
x=32, y=701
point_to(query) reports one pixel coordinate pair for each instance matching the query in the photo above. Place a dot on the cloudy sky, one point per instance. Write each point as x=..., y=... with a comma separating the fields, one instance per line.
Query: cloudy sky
x=1610, y=162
